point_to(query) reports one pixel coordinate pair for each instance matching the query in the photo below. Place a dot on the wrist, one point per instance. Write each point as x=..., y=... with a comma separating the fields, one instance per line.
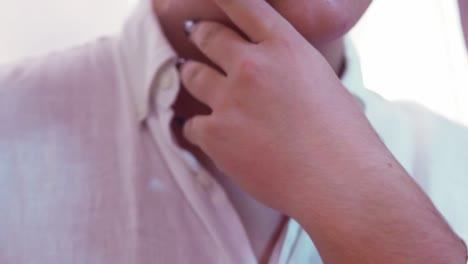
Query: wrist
x=350, y=175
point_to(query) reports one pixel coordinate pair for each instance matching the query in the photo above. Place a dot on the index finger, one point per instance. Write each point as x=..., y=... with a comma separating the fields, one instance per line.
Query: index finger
x=256, y=18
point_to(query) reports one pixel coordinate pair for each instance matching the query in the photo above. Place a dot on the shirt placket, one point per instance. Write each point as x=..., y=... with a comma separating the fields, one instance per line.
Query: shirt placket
x=205, y=196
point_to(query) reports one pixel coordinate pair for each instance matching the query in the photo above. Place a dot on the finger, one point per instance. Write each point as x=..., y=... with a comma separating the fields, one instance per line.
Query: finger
x=201, y=81
x=256, y=18
x=218, y=42
x=194, y=130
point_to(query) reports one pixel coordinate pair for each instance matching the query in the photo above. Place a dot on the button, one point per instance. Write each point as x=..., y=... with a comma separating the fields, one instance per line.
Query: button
x=157, y=185
x=218, y=196
x=167, y=81
x=166, y=86
x=191, y=161
x=200, y=176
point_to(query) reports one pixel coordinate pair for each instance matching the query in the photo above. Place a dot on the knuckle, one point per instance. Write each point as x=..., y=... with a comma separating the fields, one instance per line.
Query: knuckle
x=270, y=25
x=222, y=100
x=289, y=49
x=250, y=69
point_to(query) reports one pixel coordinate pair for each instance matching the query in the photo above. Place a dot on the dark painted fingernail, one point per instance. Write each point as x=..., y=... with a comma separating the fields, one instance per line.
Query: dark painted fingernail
x=180, y=62
x=188, y=26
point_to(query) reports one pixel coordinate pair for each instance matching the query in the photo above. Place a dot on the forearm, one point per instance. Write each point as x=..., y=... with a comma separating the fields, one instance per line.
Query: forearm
x=373, y=212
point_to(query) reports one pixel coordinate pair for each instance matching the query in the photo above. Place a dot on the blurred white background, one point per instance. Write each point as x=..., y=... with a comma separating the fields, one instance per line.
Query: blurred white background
x=414, y=50
x=410, y=50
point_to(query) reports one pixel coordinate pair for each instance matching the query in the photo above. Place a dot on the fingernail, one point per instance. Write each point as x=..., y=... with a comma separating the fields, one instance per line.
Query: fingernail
x=180, y=62
x=188, y=27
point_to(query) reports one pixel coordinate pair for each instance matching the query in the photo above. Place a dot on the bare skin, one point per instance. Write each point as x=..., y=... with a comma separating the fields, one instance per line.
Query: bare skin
x=321, y=22
x=309, y=151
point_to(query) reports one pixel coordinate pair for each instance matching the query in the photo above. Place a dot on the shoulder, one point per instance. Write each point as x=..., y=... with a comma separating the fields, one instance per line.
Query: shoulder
x=435, y=126
x=413, y=118
x=442, y=152
x=421, y=138
x=57, y=82
x=59, y=71
x=64, y=94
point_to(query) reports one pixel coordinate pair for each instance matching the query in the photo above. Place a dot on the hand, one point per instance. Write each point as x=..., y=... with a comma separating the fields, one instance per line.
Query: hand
x=280, y=115
x=285, y=129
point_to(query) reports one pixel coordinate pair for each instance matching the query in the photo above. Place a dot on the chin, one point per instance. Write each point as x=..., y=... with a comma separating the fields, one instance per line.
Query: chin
x=321, y=21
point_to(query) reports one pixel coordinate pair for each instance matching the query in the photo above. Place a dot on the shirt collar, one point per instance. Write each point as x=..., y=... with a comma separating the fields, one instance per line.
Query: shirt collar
x=352, y=76
x=144, y=50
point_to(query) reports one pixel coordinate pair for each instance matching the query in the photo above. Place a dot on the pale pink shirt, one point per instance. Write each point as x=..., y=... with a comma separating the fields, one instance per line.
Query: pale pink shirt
x=90, y=173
